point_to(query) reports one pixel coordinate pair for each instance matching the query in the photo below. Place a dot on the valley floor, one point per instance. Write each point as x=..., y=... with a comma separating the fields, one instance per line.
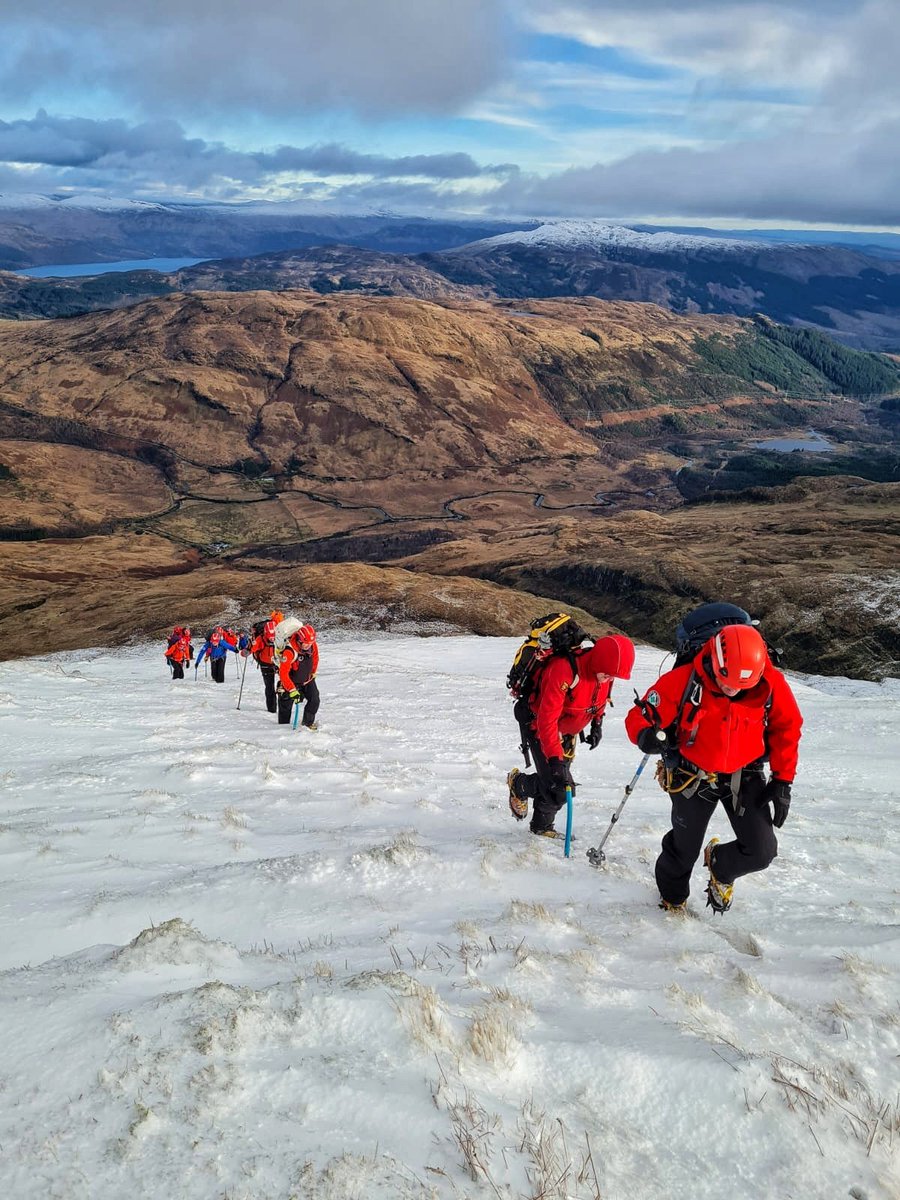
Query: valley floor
x=241, y=961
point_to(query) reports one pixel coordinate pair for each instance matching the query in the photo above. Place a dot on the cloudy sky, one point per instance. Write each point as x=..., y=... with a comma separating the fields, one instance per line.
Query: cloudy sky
x=723, y=111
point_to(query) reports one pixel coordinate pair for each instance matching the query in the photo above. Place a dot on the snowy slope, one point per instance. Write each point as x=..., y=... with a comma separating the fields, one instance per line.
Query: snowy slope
x=601, y=235
x=247, y=962
x=89, y=200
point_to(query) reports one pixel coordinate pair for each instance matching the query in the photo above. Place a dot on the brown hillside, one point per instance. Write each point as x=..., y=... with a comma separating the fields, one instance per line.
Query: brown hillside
x=196, y=449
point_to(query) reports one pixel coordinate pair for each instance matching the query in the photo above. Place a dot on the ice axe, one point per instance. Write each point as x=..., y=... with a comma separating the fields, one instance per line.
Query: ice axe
x=569, y=821
x=243, y=677
x=595, y=855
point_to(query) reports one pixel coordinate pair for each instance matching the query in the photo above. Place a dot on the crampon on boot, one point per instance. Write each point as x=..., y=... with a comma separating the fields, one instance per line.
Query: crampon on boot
x=517, y=805
x=718, y=895
x=553, y=834
x=668, y=906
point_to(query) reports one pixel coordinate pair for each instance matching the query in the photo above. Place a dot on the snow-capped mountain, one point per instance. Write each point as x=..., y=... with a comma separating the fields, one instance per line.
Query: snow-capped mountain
x=848, y=294
x=598, y=235
x=91, y=201
x=243, y=961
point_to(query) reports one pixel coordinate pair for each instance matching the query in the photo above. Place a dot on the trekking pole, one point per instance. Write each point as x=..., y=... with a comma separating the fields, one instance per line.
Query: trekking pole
x=595, y=855
x=243, y=677
x=296, y=712
x=569, y=821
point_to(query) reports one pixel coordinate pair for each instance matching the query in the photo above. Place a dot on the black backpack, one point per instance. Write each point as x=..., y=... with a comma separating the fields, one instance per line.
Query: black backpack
x=700, y=624
x=554, y=634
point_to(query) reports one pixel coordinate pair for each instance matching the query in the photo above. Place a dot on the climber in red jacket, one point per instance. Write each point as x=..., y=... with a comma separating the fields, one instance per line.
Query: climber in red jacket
x=297, y=676
x=179, y=651
x=716, y=721
x=570, y=693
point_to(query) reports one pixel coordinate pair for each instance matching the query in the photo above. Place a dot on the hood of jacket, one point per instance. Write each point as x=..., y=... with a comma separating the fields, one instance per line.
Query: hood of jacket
x=610, y=655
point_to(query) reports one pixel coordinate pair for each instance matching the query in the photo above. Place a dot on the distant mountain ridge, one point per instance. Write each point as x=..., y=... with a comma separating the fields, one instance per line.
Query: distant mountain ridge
x=851, y=295
x=41, y=230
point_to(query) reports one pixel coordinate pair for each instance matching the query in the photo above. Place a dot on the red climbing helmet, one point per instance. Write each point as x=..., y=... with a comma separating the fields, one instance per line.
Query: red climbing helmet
x=305, y=635
x=739, y=656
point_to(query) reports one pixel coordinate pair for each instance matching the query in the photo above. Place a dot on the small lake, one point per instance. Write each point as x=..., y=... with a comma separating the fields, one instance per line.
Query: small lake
x=813, y=443
x=68, y=270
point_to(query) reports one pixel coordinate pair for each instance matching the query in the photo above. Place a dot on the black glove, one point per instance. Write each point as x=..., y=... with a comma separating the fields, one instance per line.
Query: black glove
x=595, y=733
x=559, y=778
x=779, y=793
x=557, y=769
x=652, y=740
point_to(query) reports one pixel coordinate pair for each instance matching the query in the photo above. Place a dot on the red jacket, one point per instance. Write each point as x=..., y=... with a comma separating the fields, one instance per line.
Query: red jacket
x=180, y=651
x=723, y=734
x=263, y=647
x=565, y=703
x=297, y=666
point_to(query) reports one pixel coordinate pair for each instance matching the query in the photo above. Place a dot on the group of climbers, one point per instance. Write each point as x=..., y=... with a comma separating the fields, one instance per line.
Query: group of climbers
x=285, y=650
x=716, y=719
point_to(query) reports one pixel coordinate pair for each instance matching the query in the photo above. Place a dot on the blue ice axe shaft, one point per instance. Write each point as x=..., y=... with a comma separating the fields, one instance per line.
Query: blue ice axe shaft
x=296, y=713
x=595, y=855
x=568, y=822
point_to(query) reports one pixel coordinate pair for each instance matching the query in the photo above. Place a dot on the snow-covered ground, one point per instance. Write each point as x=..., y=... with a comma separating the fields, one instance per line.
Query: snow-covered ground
x=598, y=235
x=241, y=961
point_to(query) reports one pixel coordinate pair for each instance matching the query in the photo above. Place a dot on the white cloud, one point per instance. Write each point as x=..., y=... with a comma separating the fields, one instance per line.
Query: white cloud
x=800, y=176
x=374, y=57
x=752, y=110
x=796, y=44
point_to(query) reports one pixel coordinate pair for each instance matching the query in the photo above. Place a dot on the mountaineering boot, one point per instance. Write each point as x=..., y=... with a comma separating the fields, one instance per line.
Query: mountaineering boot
x=517, y=805
x=668, y=906
x=718, y=895
x=312, y=725
x=552, y=833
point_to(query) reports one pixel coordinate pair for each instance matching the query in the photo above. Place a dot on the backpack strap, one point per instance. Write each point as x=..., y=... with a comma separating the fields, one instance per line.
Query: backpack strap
x=691, y=698
x=569, y=656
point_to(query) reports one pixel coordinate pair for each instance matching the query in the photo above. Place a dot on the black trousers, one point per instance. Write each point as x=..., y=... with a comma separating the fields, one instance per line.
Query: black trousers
x=268, y=674
x=177, y=670
x=309, y=692
x=217, y=668
x=547, y=798
x=754, y=844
